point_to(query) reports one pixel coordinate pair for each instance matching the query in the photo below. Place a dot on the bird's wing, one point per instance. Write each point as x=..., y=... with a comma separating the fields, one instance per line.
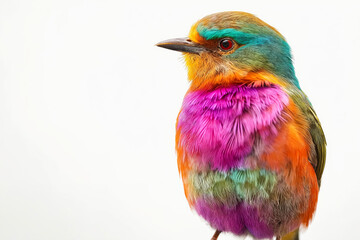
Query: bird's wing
x=318, y=152
x=319, y=141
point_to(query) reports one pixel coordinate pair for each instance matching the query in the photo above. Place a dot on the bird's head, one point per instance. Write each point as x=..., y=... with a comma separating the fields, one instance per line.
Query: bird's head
x=234, y=47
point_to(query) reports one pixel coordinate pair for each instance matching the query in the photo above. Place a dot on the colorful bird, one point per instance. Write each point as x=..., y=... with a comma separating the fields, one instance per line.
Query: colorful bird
x=250, y=148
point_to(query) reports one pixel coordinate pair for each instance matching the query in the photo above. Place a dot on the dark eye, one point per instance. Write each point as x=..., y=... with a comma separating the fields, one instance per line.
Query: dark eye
x=226, y=44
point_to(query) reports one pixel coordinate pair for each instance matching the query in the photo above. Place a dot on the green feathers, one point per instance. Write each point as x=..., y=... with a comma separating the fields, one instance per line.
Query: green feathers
x=231, y=187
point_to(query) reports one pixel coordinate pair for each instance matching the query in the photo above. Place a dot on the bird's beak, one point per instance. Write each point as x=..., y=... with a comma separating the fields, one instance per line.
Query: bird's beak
x=182, y=45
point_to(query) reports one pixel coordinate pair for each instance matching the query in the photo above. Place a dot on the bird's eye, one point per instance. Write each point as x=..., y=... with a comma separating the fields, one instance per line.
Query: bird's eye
x=226, y=44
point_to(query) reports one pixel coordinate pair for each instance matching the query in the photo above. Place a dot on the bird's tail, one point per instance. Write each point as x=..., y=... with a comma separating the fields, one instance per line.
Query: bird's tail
x=294, y=235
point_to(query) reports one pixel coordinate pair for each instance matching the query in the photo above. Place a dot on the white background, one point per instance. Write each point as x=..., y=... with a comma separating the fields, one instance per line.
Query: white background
x=88, y=107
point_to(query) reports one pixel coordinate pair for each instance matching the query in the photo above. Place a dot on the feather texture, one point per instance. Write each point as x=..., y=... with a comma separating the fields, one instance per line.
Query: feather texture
x=250, y=148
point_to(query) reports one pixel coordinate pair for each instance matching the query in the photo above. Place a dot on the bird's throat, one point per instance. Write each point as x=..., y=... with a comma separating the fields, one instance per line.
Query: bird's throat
x=206, y=72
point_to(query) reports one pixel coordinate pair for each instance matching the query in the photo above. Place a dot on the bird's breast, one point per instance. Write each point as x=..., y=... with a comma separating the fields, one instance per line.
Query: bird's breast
x=244, y=161
x=223, y=127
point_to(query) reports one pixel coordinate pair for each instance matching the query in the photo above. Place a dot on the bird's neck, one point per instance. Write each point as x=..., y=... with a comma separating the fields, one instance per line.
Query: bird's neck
x=285, y=70
x=252, y=79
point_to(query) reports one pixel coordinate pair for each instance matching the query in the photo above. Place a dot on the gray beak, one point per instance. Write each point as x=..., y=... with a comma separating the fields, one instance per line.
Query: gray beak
x=182, y=45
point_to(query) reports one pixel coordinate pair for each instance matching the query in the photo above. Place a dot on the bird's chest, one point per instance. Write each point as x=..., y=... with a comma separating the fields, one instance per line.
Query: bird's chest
x=221, y=128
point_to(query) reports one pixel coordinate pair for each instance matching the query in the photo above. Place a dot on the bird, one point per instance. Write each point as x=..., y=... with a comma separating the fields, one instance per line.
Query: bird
x=250, y=148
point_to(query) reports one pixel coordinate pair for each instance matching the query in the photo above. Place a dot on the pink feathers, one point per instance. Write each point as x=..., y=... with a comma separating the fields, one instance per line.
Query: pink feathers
x=220, y=127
